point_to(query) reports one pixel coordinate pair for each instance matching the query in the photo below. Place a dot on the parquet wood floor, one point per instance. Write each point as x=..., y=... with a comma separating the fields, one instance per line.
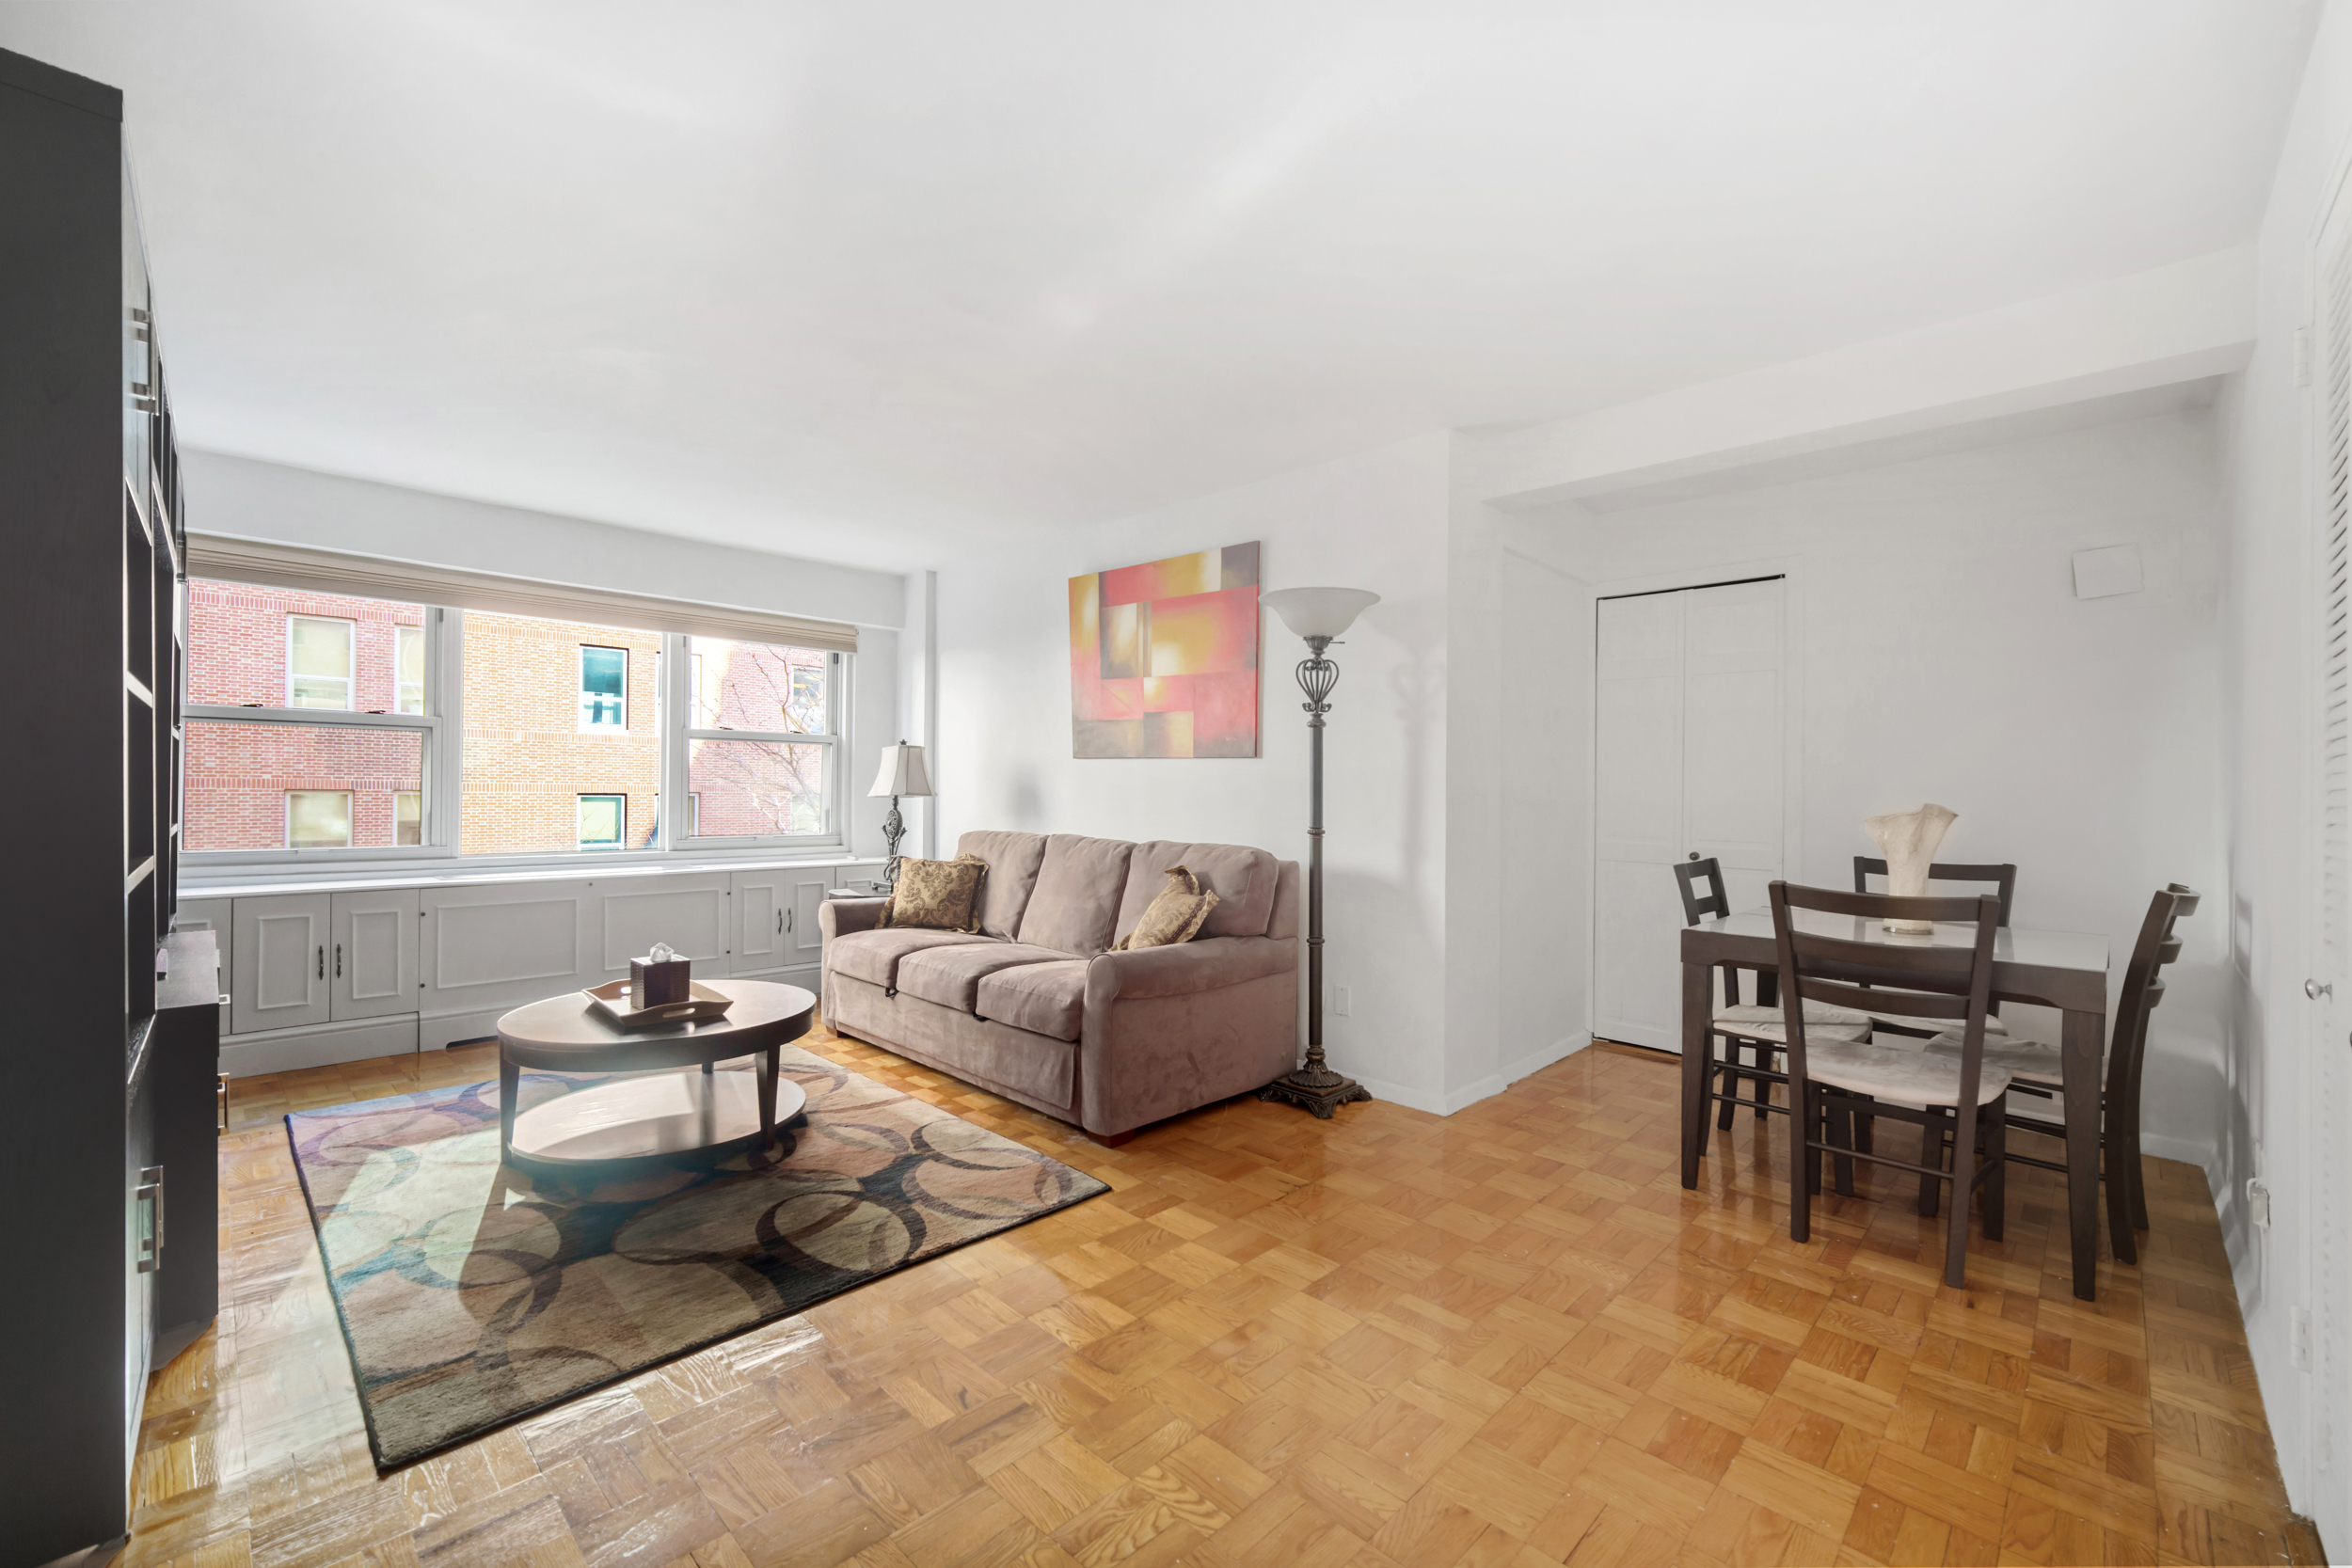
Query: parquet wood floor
x=1505, y=1338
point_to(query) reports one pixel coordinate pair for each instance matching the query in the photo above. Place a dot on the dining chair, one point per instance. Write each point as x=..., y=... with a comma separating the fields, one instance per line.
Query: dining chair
x=1755, y=1028
x=2038, y=1068
x=2003, y=878
x=1831, y=1079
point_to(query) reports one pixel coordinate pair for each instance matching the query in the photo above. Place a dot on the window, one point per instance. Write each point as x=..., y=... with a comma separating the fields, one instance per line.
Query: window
x=320, y=722
x=293, y=740
x=408, y=668
x=760, y=749
x=318, y=661
x=603, y=821
x=603, y=690
x=318, y=818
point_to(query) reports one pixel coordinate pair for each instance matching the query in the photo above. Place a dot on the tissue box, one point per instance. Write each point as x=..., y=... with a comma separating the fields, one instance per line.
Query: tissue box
x=653, y=984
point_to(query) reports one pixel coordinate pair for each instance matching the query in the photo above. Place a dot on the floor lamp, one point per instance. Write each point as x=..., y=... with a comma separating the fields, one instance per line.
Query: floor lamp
x=1319, y=615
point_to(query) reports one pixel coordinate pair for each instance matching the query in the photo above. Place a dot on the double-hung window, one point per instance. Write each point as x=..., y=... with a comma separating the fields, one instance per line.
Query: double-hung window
x=301, y=737
x=761, y=745
x=329, y=725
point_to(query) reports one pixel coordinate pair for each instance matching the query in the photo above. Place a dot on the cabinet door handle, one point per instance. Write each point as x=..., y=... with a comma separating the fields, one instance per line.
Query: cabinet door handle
x=779, y=923
x=322, y=961
x=791, y=918
x=150, y=1192
x=338, y=960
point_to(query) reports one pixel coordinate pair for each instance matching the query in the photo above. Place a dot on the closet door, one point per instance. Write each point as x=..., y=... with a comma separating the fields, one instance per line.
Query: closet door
x=1688, y=745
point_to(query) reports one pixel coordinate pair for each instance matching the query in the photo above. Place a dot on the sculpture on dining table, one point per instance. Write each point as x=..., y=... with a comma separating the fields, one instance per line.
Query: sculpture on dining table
x=1909, y=840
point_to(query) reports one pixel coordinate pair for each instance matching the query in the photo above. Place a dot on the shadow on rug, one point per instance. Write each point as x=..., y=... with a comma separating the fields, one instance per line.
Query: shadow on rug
x=471, y=1295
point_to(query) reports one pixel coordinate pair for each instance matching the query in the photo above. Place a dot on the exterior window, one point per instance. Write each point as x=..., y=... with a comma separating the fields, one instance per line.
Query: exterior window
x=318, y=661
x=408, y=668
x=407, y=817
x=760, y=749
x=318, y=819
x=603, y=690
x=298, y=734
x=603, y=821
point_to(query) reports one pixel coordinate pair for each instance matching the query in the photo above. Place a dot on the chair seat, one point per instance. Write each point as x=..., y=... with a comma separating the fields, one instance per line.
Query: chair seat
x=2036, y=1062
x=1821, y=1021
x=1898, y=1072
x=1993, y=1025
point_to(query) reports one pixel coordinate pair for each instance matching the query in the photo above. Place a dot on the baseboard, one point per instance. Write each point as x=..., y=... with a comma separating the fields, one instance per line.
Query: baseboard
x=436, y=1031
x=2183, y=1149
x=324, y=1045
x=1397, y=1094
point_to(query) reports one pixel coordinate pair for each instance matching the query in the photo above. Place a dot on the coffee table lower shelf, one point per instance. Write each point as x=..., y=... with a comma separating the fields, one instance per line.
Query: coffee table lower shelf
x=659, y=1116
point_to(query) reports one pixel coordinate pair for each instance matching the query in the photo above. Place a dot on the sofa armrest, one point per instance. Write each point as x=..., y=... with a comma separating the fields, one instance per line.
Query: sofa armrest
x=839, y=917
x=1202, y=964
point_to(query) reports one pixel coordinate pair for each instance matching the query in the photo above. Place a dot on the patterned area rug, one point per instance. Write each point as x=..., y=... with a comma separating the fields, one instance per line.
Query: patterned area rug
x=472, y=1296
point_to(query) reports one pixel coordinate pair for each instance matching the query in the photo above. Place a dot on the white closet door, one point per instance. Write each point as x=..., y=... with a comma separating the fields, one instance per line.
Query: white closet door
x=1637, y=828
x=1688, y=760
x=1733, y=735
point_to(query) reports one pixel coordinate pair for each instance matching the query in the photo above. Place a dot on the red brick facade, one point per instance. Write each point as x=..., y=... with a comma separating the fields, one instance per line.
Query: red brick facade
x=525, y=758
x=238, y=775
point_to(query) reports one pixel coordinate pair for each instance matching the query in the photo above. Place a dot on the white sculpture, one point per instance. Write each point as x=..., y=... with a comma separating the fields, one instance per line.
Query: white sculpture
x=1909, y=839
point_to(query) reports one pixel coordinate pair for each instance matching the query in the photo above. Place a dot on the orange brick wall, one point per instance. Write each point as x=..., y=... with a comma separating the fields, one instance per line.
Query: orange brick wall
x=526, y=762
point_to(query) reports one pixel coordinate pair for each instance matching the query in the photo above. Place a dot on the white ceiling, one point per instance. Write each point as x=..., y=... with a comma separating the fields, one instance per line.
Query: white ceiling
x=891, y=283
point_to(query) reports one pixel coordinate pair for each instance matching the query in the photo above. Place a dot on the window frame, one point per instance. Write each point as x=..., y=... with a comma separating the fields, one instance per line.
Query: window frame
x=678, y=696
x=581, y=716
x=350, y=678
x=620, y=842
x=442, y=772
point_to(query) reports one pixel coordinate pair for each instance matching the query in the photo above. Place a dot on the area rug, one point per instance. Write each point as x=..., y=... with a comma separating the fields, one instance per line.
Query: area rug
x=471, y=1295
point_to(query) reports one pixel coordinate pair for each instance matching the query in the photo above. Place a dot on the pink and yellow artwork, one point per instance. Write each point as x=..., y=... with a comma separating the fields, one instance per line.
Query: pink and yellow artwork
x=1163, y=658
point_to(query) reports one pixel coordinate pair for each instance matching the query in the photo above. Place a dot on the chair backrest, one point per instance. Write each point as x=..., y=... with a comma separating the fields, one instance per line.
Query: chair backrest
x=1695, y=909
x=2002, y=877
x=1950, y=985
x=2143, y=987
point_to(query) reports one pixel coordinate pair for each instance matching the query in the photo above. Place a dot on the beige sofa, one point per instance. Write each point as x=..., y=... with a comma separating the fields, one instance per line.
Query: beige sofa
x=1036, y=1007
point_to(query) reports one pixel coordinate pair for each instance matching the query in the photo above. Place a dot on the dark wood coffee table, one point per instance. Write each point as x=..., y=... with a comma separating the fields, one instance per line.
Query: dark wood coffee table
x=658, y=1115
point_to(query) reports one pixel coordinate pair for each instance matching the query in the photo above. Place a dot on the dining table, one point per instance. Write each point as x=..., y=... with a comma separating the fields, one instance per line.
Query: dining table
x=2065, y=970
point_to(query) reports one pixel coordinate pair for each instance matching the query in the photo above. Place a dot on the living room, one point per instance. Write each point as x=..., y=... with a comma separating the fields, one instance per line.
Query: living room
x=1170, y=614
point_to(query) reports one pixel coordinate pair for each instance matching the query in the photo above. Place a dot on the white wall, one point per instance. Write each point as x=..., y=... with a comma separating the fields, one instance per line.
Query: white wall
x=1938, y=653
x=2271, y=640
x=1377, y=520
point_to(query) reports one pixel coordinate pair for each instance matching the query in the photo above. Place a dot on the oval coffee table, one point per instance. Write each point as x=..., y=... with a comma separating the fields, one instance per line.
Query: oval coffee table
x=664, y=1114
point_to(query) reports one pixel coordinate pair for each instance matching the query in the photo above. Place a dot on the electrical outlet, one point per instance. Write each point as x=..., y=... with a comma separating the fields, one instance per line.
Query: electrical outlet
x=2299, y=1338
x=1341, y=1001
x=2257, y=1203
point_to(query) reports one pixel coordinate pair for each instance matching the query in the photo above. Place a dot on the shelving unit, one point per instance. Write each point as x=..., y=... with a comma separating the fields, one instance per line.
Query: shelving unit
x=113, y=1023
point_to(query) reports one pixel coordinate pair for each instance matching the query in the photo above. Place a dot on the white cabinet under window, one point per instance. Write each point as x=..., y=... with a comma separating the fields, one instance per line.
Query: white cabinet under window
x=279, y=962
x=1688, y=743
x=775, y=919
x=372, y=956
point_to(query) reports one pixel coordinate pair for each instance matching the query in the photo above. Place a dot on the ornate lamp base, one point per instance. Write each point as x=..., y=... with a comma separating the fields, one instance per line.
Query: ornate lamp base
x=1319, y=1089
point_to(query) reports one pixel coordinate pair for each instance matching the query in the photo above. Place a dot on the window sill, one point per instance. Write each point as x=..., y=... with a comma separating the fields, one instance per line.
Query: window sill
x=231, y=881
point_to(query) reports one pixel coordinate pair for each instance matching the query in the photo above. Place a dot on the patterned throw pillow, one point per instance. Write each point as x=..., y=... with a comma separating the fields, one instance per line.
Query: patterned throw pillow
x=1174, y=916
x=937, y=895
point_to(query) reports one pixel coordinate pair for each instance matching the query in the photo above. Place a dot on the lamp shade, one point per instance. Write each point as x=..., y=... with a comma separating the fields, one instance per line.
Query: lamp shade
x=903, y=772
x=1318, y=611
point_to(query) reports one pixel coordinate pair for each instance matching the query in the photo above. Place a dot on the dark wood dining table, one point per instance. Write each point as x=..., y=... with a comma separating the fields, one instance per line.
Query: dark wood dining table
x=2066, y=970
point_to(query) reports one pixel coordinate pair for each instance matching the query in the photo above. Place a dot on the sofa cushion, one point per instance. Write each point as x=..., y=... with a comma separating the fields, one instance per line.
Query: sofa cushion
x=937, y=895
x=1012, y=862
x=950, y=976
x=1242, y=878
x=874, y=955
x=1075, y=906
x=1043, y=998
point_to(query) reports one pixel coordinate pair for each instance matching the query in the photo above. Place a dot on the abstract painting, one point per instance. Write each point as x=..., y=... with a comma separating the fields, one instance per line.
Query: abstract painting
x=1163, y=658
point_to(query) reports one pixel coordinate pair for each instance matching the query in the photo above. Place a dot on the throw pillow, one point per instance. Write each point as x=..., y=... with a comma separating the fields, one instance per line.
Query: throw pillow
x=1174, y=916
x=937, y=895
